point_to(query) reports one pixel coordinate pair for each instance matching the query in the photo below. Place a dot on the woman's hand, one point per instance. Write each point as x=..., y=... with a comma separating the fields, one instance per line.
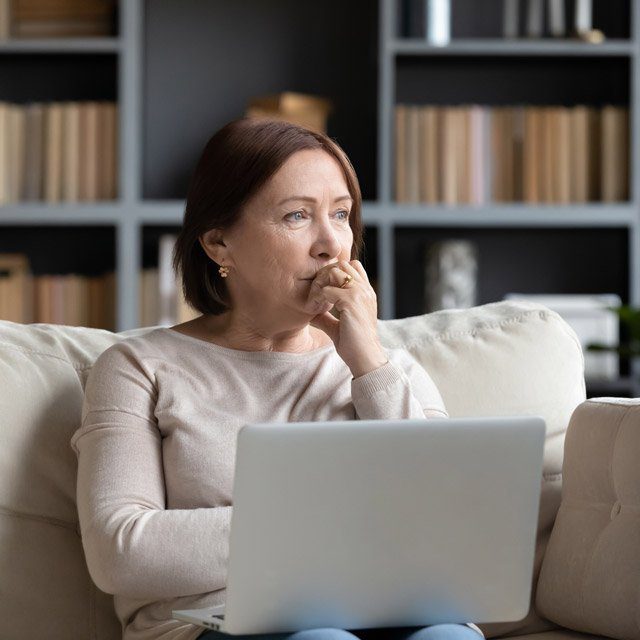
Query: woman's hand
x=355, y=333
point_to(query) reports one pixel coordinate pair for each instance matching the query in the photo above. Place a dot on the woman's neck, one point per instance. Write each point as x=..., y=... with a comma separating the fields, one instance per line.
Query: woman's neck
x=235, y=331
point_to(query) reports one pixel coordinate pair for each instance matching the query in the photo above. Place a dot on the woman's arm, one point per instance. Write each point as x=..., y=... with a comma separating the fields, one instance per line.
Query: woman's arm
x=133, y=545
x=401, y=388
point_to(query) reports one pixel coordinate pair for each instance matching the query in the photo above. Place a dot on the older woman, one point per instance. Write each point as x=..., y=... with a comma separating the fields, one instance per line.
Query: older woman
x=268, y=250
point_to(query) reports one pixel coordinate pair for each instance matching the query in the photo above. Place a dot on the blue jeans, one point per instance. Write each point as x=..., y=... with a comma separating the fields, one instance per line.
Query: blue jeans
x=432, y=632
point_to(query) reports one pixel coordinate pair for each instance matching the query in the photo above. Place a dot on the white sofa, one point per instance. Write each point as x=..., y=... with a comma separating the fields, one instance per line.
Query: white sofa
x=505, y=358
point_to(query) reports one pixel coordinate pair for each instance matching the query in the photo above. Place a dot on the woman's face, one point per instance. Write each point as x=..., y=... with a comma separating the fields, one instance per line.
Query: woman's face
x=296, y=224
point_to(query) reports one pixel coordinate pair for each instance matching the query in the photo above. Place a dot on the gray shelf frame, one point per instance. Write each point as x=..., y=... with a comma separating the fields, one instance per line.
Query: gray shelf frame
x=60, y=45
x=130, y=213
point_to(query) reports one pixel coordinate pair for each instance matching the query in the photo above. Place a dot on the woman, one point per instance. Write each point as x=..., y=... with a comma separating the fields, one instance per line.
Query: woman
x=269, y=246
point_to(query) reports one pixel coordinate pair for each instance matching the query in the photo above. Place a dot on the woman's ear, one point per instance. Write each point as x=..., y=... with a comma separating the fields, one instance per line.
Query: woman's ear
x=213, y=245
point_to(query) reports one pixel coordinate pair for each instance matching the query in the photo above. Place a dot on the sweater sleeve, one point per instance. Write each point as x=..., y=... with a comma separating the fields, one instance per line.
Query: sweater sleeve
x=401, y=388
x=133, y=545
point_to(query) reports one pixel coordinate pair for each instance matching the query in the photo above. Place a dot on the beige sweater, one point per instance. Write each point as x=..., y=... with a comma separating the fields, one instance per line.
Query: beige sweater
x=156, y=453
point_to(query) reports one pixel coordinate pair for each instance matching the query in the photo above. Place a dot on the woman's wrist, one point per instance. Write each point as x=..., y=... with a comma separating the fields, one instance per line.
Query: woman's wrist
x=368, y=364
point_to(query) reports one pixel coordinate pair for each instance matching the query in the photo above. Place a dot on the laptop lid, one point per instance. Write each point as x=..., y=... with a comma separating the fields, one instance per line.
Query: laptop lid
x=362, y=523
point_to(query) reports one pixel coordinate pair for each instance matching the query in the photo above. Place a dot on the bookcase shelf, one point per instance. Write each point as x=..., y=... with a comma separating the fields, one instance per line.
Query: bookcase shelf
x=185, y=69
x=520, y=47
x=107, y=212
x=498, y=214
x=61, y=45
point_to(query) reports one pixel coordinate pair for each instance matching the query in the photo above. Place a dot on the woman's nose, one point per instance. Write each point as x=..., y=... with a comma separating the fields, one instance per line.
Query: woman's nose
x=327, y=244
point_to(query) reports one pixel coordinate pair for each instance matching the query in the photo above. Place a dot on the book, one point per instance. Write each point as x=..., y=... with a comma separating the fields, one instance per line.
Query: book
x=582, y=16
x=302, y=109
x=5, y=19
x=556, y=18
x=449, y=187
x=400, y=152
x=475, y=159
x=535, y=15
x=438, y=22
x=53, y=132
x=429, y=149
x=5, y=153
x=167, y=285
x=17, y=151
x=563, y=162
x=614, y=155
x=71, y=152
x=34, y=152
x=579, y=185
x=14, y=274
x=510, y=18
x=412, y=146
x=107, y=162
x=88, y=187
x=148, y=302
x=532, y=156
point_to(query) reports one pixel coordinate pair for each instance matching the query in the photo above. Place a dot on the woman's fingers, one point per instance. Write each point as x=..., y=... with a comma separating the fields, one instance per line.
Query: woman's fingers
x=357, y=265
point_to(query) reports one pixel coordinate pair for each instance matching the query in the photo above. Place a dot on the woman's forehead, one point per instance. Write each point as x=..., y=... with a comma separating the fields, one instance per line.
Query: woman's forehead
x=298, y=174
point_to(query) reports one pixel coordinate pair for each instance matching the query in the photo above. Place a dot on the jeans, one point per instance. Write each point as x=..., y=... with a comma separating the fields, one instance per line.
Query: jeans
x=432, y=632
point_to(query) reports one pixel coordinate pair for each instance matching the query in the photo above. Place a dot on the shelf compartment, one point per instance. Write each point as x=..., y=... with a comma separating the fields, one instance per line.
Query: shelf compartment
x=88, y=252
x=202, y=62
x=484, y=20
x=544, y=260
x=39, y=77
x=514, y=80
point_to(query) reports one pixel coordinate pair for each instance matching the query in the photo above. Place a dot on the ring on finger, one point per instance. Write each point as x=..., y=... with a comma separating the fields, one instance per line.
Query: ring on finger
x=347, y=280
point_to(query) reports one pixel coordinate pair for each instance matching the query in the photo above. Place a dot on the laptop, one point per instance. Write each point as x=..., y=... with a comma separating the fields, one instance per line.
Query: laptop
x=380, y=523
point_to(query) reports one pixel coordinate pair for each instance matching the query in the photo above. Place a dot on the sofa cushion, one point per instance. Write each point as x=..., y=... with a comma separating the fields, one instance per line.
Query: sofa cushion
x=590, y=578
x=504, y=358
x=45, y=589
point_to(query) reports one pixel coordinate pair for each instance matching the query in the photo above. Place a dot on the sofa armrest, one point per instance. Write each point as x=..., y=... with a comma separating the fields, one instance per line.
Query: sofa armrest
x=590, y=576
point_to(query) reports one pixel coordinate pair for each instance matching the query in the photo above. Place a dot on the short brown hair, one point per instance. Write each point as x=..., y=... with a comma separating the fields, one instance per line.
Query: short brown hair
x=236, y=162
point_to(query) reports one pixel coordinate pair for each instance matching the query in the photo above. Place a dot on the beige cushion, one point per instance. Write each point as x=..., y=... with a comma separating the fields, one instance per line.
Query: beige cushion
x=590, y=579
x=505, y=358
x=45, y=589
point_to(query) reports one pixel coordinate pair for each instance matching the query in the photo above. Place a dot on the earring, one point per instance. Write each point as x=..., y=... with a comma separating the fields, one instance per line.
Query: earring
x=223, y=271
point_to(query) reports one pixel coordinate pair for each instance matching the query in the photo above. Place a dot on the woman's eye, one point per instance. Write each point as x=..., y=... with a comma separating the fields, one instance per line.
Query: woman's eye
x=343, y=215
x=296, y=216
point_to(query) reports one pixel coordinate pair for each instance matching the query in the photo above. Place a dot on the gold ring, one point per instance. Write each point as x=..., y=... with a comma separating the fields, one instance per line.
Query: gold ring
x=347, y=280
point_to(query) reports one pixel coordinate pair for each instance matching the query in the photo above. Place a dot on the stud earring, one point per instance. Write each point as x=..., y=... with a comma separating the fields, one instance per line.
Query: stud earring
x=223, y=271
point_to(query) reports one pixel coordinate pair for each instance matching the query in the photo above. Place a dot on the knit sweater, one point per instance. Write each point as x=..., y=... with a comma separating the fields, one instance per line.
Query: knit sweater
x=156, y=454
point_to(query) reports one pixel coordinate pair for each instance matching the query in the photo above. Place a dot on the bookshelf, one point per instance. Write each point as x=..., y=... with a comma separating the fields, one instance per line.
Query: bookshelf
x=174, y=61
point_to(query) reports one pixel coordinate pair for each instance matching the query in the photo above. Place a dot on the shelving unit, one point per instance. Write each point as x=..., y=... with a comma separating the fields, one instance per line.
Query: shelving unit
x=145, y=203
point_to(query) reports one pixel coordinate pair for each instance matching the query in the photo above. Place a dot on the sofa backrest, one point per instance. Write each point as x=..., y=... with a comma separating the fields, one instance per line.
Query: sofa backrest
x=498, y=359
x=505, y=358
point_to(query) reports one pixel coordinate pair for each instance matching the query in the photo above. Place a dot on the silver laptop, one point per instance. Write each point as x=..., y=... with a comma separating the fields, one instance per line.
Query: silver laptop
x=376, y=523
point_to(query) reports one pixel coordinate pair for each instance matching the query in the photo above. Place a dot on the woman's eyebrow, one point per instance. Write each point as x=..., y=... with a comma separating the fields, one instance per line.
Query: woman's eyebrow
x=309, y=199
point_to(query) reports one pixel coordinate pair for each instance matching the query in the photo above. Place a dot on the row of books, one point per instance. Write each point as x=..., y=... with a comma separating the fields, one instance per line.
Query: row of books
x=161, y=300
x=431, y=19
x=478, y=155
x=89, y=301
x=56, y=18
x=58, y=152
x=70, y=299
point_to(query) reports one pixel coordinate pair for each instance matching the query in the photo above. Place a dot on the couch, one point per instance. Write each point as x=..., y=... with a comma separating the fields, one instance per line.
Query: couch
x=506, y=358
